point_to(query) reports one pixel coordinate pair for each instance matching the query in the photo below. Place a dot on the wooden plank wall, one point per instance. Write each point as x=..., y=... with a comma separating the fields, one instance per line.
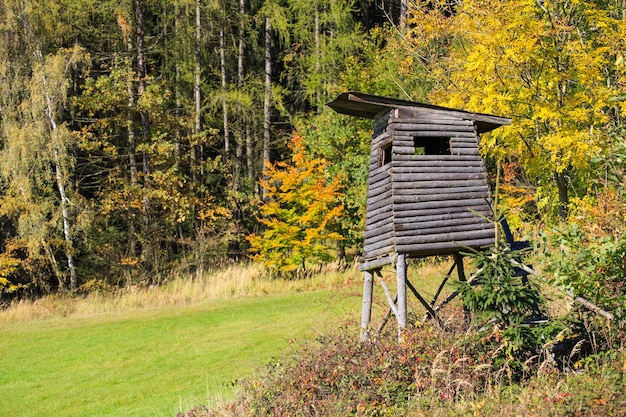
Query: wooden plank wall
x=424, y=205
x=379, y=233
x=436, y=197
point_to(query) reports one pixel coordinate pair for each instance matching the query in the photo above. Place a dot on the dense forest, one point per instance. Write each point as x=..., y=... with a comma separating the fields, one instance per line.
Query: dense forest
x=142, y=136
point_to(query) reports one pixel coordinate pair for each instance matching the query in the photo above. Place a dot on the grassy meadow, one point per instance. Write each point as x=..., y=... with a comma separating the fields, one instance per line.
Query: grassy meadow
x=164, y=350
x=160, y=351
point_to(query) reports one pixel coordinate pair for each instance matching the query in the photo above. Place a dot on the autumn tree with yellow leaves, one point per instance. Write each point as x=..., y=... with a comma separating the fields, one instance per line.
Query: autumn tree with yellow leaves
x=301, y=209
x=556, y=67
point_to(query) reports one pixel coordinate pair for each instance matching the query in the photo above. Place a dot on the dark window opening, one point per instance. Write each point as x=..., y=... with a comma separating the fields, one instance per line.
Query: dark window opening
x=432, y=145
x=385, y=155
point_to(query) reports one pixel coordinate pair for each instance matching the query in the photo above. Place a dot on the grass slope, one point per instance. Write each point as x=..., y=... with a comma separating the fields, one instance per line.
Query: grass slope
x=152, y=362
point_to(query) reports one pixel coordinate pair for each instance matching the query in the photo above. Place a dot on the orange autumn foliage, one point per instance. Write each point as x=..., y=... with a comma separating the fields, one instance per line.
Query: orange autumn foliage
x=301, y=209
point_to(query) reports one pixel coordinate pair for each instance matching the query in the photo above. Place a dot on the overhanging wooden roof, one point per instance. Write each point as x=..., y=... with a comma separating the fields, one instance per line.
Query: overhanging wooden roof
x=368, y=106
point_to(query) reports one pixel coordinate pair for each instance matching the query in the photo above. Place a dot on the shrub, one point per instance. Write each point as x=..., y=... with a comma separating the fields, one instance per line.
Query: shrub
x=593, y=267
x=500, y=302
x=335, y=375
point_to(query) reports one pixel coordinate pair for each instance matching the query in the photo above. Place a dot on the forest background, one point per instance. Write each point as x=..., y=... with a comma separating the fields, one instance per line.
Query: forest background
x=142, y=136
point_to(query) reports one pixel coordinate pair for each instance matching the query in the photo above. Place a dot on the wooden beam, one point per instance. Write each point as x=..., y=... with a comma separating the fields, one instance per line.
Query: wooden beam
x=424, y=303
x=390, y=300
x=588, y=304
x=377, y=263
x=401, y=315
x=366, y=313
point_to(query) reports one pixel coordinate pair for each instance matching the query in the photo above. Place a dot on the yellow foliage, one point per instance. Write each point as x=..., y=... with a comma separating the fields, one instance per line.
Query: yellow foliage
x=301, y=209
x=554, y=66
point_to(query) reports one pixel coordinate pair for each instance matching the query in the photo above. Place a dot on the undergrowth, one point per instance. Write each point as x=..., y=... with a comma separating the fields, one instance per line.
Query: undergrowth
x=430, y=373
x=463, y=368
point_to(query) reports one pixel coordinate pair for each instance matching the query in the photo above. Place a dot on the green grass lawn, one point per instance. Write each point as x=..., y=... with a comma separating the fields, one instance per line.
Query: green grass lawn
x=154, y=362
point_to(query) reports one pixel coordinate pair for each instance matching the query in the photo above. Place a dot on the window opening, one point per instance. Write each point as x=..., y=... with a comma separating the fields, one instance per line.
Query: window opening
x=432, y=145
x=385, y=155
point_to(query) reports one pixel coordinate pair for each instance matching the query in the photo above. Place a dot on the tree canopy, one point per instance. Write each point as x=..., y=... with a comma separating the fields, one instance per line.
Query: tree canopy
x=141, y=136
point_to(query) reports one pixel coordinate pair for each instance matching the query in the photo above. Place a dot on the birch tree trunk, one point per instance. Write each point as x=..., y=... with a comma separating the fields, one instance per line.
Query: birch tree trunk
x=65, y=202
x=197, y=126
x=403, y=11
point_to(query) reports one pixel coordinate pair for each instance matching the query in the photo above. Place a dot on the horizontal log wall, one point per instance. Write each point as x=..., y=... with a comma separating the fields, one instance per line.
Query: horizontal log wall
x=379, y=228
x=425, y=205
x=440, y=200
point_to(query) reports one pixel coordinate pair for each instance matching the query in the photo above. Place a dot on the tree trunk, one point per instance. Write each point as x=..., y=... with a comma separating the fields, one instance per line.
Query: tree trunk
x=148, y=243
x=240, y=75
x=267, y=116
x=318, y=52
x=403, y=11
x=224, y=100
x=132, y=155
x=65, y=202
x=141, y=82
x=197, y=127
x=561, y=183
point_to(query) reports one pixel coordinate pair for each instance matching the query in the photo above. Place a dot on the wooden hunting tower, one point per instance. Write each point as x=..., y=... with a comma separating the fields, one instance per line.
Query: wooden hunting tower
x=427, y=188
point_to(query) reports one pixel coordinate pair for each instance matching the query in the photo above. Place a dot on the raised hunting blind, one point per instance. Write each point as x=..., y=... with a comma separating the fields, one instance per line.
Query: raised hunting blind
x=427, y=190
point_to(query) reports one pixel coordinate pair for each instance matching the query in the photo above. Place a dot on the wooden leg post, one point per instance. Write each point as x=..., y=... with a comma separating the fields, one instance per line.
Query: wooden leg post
x=458, y=259
x=366, y=313
x=401, y=304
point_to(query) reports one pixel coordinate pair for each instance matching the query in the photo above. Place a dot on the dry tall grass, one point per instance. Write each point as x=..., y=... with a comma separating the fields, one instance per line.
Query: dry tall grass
x=236, y=280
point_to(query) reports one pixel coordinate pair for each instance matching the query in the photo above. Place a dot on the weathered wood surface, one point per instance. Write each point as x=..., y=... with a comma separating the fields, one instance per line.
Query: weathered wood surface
x=377, y=263
x=420, y=217
x=420, y=164
x=460, y=144
x=442, y=158
x=449, y=176
x=463, y=151
x=380, y=242
x=426, y=203
x=382, y=138
x=366, y=311
x=376, y=212
x=421, y=198
x=379, y=221
x=423, y=213
x=410, y=130
x=439, y=224
x=444, y=237
x=375, y=253
x=450, y=247
x=419, y=125
x=372, y=232
x=426, y=184
x=466, y=203
x=414, y=168
x=475, y=190
x=381, y=174
x=378, y=197
x=401, y=274
x=382, y=246
x=378, y=218
x=441, y=232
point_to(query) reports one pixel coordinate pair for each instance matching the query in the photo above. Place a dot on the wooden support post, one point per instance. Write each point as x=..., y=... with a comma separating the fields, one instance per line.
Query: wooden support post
x=366, y=313
x=401, y=272
x=458, y=259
